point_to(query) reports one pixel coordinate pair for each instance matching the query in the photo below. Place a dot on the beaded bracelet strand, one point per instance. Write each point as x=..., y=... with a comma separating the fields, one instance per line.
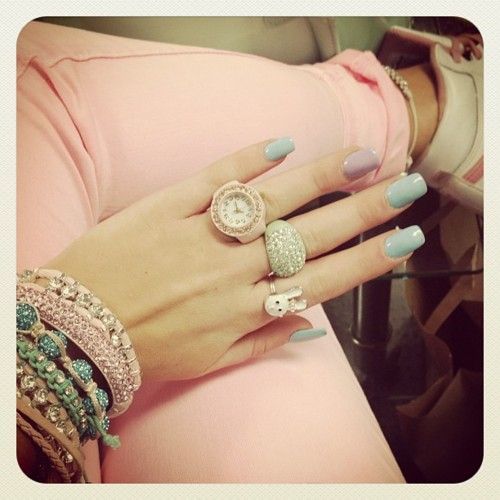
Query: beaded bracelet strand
x=61, y=315
x=53, y=345
x=37, y=394
x=97, y=399
x=64, y=315
x=65, y=391
x=80, y=371
x=56, y=381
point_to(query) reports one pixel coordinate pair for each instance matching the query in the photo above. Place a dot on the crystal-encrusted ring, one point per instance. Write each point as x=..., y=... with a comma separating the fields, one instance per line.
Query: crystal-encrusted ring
x=285, y=249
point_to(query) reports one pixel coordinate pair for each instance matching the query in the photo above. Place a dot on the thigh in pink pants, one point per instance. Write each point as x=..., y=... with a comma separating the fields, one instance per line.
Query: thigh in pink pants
x=102, y=122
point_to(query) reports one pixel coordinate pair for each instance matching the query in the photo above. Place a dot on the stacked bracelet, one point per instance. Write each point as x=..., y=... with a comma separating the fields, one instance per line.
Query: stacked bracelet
x=70, y=289
x=56, y=380
x=65, y=316
x=53, y=345
x=96, y=316
x=87, y=424
x=87, y=415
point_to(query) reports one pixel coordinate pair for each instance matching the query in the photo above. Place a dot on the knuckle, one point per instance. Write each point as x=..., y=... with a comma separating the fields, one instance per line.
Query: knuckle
x=218, y=173
x=273, y=206
x=259, y=347
x=371, y=214
x=313, y=240
x=320, y=287
x=324, y=177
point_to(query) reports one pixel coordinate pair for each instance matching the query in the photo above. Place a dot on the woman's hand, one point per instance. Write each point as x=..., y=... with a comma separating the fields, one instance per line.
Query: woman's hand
x=192, y=299
x=466, y=45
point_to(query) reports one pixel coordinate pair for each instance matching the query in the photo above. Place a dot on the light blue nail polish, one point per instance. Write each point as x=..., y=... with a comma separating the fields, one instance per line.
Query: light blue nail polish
x=405, y=190
x=279, y=148
x=404, y=242
x=309, y=334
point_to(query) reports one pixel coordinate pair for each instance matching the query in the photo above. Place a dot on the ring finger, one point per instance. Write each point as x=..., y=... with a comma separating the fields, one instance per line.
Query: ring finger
x=327, y=227
x=330, y=276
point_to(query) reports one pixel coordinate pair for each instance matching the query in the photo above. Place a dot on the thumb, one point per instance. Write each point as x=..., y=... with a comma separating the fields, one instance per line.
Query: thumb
x=270, y=336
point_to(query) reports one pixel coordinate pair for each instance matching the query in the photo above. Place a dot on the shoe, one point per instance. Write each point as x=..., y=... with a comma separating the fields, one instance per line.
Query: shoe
x=453, y=161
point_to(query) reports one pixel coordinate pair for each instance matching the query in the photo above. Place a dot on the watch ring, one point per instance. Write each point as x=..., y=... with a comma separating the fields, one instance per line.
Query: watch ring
x=251, y=230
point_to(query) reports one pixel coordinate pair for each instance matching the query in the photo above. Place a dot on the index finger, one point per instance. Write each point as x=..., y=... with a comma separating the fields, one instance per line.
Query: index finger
x=194, y=195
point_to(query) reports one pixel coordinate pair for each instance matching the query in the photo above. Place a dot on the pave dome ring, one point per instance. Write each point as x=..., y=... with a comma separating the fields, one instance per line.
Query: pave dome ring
x=285, y=249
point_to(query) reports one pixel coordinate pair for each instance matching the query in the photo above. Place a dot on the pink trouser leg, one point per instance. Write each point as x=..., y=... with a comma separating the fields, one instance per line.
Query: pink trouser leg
x=104, y=121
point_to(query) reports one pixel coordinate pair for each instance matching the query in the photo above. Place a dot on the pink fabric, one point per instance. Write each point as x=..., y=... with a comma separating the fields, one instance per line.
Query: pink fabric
x=104, y=121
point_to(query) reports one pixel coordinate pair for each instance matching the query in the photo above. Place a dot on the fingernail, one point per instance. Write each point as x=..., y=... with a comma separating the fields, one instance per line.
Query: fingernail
x=309, y=334
x=405, y=190
x=279, y=148
x=360, y=163
x=404, y=242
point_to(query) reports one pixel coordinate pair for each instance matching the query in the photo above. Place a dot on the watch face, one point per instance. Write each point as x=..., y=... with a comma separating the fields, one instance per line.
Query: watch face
x=236, y=209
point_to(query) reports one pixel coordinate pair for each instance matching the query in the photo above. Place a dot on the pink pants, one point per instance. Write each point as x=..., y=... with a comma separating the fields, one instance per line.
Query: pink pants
x=104, y=121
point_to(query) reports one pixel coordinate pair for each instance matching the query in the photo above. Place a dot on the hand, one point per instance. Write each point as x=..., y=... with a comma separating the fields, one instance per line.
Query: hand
x=466, y=45
x=192, y=299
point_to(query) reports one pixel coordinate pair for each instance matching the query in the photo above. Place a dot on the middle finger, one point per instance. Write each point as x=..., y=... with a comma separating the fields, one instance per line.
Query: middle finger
x=327, y=227
x=288, y=191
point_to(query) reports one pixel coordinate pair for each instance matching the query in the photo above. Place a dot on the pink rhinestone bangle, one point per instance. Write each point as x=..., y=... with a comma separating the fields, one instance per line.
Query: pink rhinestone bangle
x=69, y=289
x=66, y=316
x=92, y=307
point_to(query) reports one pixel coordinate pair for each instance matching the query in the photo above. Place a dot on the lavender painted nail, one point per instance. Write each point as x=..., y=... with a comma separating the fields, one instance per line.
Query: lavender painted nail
x=360, y=163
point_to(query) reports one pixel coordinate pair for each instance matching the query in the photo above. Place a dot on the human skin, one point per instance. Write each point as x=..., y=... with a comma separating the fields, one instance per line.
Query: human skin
x=422, y=83
x=192, y=298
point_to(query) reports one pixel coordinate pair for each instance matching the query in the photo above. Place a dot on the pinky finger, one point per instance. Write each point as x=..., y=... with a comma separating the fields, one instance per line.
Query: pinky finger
x=270, y=336
x=335, y=274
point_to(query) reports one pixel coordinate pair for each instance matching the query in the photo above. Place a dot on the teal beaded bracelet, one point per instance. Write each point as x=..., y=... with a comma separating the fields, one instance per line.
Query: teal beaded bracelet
x=36, y=391
x=56, y=381
x=88, y=415
x=88, y=425
x=53, y=344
